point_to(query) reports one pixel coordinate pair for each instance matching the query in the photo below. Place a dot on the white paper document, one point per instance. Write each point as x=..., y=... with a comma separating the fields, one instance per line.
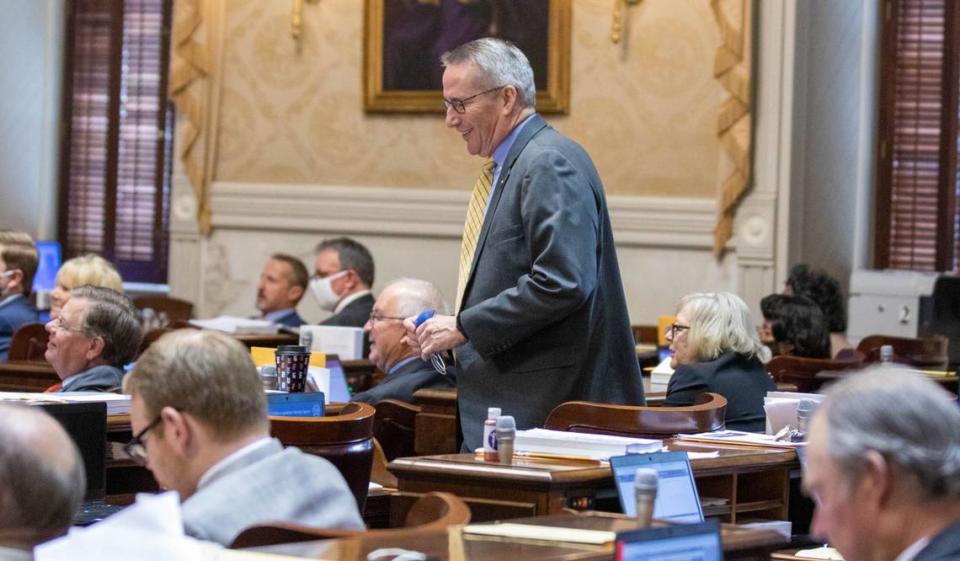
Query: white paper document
x=237, y=325
x=346, y=342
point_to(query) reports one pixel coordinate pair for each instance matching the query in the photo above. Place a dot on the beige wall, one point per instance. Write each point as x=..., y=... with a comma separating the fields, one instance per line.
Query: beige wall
x=645, y=109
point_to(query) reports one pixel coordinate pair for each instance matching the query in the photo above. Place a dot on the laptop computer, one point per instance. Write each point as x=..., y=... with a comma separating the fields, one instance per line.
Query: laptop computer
x=339, y=393
x=86, y=423
x=689, y=542
x=307, y=404
x=677, y=499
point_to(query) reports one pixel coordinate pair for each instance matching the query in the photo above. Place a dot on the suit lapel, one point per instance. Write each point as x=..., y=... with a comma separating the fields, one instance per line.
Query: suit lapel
x=530, y=130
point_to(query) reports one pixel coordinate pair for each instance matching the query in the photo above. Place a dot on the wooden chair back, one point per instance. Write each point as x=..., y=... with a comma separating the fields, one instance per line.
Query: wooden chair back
x=394, y=427
x=344, y=437
x=174, y=309
x=929, y=352
x=150, y=337
x=29, y=343
x=707, y=414
x=433, y=511
x=802, y=372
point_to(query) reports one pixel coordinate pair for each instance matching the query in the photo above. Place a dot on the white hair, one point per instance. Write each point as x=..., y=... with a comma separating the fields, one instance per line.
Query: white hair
x=501, y=63
x=721, y=322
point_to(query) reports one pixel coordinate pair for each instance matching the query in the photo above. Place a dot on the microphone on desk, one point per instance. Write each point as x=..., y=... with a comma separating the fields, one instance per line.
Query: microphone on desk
x=506, y=433
x=435, y=359
x=645, y=491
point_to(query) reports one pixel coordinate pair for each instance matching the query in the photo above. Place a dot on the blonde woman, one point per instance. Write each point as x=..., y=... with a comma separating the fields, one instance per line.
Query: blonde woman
x=87, y=269
x=716, y=349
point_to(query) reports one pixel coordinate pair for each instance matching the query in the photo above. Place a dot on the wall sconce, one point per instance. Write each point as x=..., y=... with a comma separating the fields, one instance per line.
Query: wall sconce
x=617, y=28
x=296, y=18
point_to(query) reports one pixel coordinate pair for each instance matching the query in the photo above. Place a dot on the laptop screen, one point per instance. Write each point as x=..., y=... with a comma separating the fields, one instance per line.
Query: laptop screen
x=687, y=542
x=338, y=380
x=307, y=404
x=47, y=266
x=86, y=423
x=677, y=499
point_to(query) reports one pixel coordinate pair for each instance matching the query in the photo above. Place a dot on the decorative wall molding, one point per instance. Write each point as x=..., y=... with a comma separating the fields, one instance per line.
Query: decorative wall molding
x=284, y=207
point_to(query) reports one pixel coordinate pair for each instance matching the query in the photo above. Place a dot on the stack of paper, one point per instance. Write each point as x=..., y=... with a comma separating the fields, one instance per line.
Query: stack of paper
x=740, y=438
x=346, y=342
x=581, y=445
x=235, y=325
x=660, y=376
x=117, y=404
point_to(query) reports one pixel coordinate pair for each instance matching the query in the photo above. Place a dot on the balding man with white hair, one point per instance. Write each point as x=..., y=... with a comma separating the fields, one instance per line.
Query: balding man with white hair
x=883, y=468
x=406, y=372
x=42, y=480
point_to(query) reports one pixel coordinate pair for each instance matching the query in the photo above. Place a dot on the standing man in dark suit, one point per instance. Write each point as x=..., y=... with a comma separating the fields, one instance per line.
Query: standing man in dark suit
x=406, y=371
x=883, y=468
x=341, y=283
x=541, y=317
x=18, y=264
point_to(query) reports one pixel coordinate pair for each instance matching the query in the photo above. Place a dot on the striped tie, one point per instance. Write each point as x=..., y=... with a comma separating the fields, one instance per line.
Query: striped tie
x=471, y=227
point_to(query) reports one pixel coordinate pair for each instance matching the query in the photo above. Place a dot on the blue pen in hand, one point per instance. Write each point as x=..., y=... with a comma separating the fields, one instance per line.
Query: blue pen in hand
x=435, y=359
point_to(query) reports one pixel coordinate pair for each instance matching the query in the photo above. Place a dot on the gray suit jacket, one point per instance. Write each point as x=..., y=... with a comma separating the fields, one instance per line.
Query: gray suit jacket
x=544, y=309
x=103, y=378
x=944, y=546
x=272, y=484
x=401, y=385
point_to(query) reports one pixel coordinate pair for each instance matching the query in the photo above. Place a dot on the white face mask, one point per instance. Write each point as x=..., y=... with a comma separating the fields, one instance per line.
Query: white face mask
x=322, y=290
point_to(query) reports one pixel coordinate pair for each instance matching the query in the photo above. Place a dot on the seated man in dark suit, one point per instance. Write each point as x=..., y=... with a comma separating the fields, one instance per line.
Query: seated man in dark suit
x=41, y=480
x=406, y=372
x=282, y=284
x=18, y=264
x=97, y=333
x=199, y=416
x=883, y=468
x=342, y=279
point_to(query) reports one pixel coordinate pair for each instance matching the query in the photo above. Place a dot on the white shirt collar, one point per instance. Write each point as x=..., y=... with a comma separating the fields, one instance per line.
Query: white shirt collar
x=225, y=463
x=911, y=552
x=9, y=298
x=348, y=299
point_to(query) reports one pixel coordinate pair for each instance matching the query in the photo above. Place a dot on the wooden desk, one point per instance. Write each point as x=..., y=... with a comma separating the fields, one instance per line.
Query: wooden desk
x=272, y=340
x=740, y=482
x=452, y=544
x=435, y=429
x=949, y=382
x=26, y=376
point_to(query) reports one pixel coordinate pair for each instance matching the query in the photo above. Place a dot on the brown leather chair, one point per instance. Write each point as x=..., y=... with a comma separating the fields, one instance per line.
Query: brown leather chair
x=394, y=427
x=921, y=352
x=29, y=343
x=150, y=337
x=174, y=308
x=433, y=511
x=344, y=437
x=707, y=414
x=802, y=372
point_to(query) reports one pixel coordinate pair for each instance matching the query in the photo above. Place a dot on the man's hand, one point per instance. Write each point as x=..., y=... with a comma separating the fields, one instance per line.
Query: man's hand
x=435, y=335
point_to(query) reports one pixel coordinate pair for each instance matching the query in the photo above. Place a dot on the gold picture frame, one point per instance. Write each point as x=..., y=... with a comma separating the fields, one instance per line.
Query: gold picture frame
x=553, y=93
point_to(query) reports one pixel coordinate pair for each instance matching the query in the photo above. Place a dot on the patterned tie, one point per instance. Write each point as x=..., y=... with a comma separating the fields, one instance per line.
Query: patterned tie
x=471, y=227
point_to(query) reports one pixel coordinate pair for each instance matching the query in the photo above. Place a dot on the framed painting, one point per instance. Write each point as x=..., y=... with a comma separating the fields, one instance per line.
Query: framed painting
x=403, y=41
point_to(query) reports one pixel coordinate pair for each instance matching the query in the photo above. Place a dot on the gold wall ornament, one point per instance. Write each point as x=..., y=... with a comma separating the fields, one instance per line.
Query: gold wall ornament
x=616, y=29
x=296, y=18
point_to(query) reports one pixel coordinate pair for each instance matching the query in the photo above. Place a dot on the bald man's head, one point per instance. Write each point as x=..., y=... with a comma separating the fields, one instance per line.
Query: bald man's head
x=42, y=480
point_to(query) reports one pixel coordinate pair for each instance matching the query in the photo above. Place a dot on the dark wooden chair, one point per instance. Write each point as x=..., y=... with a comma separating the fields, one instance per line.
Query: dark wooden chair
x=920, y=352
x=150, y=337
x=29, y=343
x=394, y=427
x=433, y=511
x=174, y=309
x=707, y=414
x=344, y=437
x=802, y=372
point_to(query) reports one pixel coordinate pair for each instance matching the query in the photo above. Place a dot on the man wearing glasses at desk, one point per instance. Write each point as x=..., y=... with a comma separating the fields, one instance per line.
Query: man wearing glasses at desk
x=541, y=315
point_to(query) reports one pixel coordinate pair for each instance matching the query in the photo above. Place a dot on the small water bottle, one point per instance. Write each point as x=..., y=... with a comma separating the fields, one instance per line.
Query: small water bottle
x=804, y=411
x=886, y=354
x=306, y=338
x=490, y=435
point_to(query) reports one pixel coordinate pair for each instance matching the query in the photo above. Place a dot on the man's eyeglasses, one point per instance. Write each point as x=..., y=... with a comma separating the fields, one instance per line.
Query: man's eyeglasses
x=375, y=317
x=58, y=324
x=460, y=105
x=675, y=329
x=136, y=448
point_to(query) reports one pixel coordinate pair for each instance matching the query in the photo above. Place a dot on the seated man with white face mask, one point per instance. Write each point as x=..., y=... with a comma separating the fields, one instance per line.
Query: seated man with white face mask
x=341, y=283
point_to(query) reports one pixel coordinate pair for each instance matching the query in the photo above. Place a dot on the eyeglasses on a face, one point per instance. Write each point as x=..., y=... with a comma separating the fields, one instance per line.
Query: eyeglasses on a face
x=460, y=105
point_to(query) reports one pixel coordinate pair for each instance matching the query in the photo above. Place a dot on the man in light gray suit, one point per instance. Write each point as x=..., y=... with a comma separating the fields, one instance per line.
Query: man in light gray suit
x=541, y=312
x=199, y=416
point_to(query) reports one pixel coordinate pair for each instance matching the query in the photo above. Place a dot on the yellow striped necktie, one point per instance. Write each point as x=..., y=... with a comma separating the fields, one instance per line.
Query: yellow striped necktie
x=472, y=225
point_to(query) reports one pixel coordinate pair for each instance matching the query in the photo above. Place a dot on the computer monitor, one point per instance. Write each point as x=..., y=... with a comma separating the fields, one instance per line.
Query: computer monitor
x=689, y=542
x=677, y=498
x=339, y=393
x=86, y=423
x=307, y=404
x=48, y=264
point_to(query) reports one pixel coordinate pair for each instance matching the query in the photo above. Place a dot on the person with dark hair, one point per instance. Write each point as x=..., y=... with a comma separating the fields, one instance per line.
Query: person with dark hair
x=342, y=281
x=283, y=283
x=770, y=307
x=18, y=264
x=883, y=468
x=825, y=291
x=797, y=326
x=97, y=333
x=42, y=480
